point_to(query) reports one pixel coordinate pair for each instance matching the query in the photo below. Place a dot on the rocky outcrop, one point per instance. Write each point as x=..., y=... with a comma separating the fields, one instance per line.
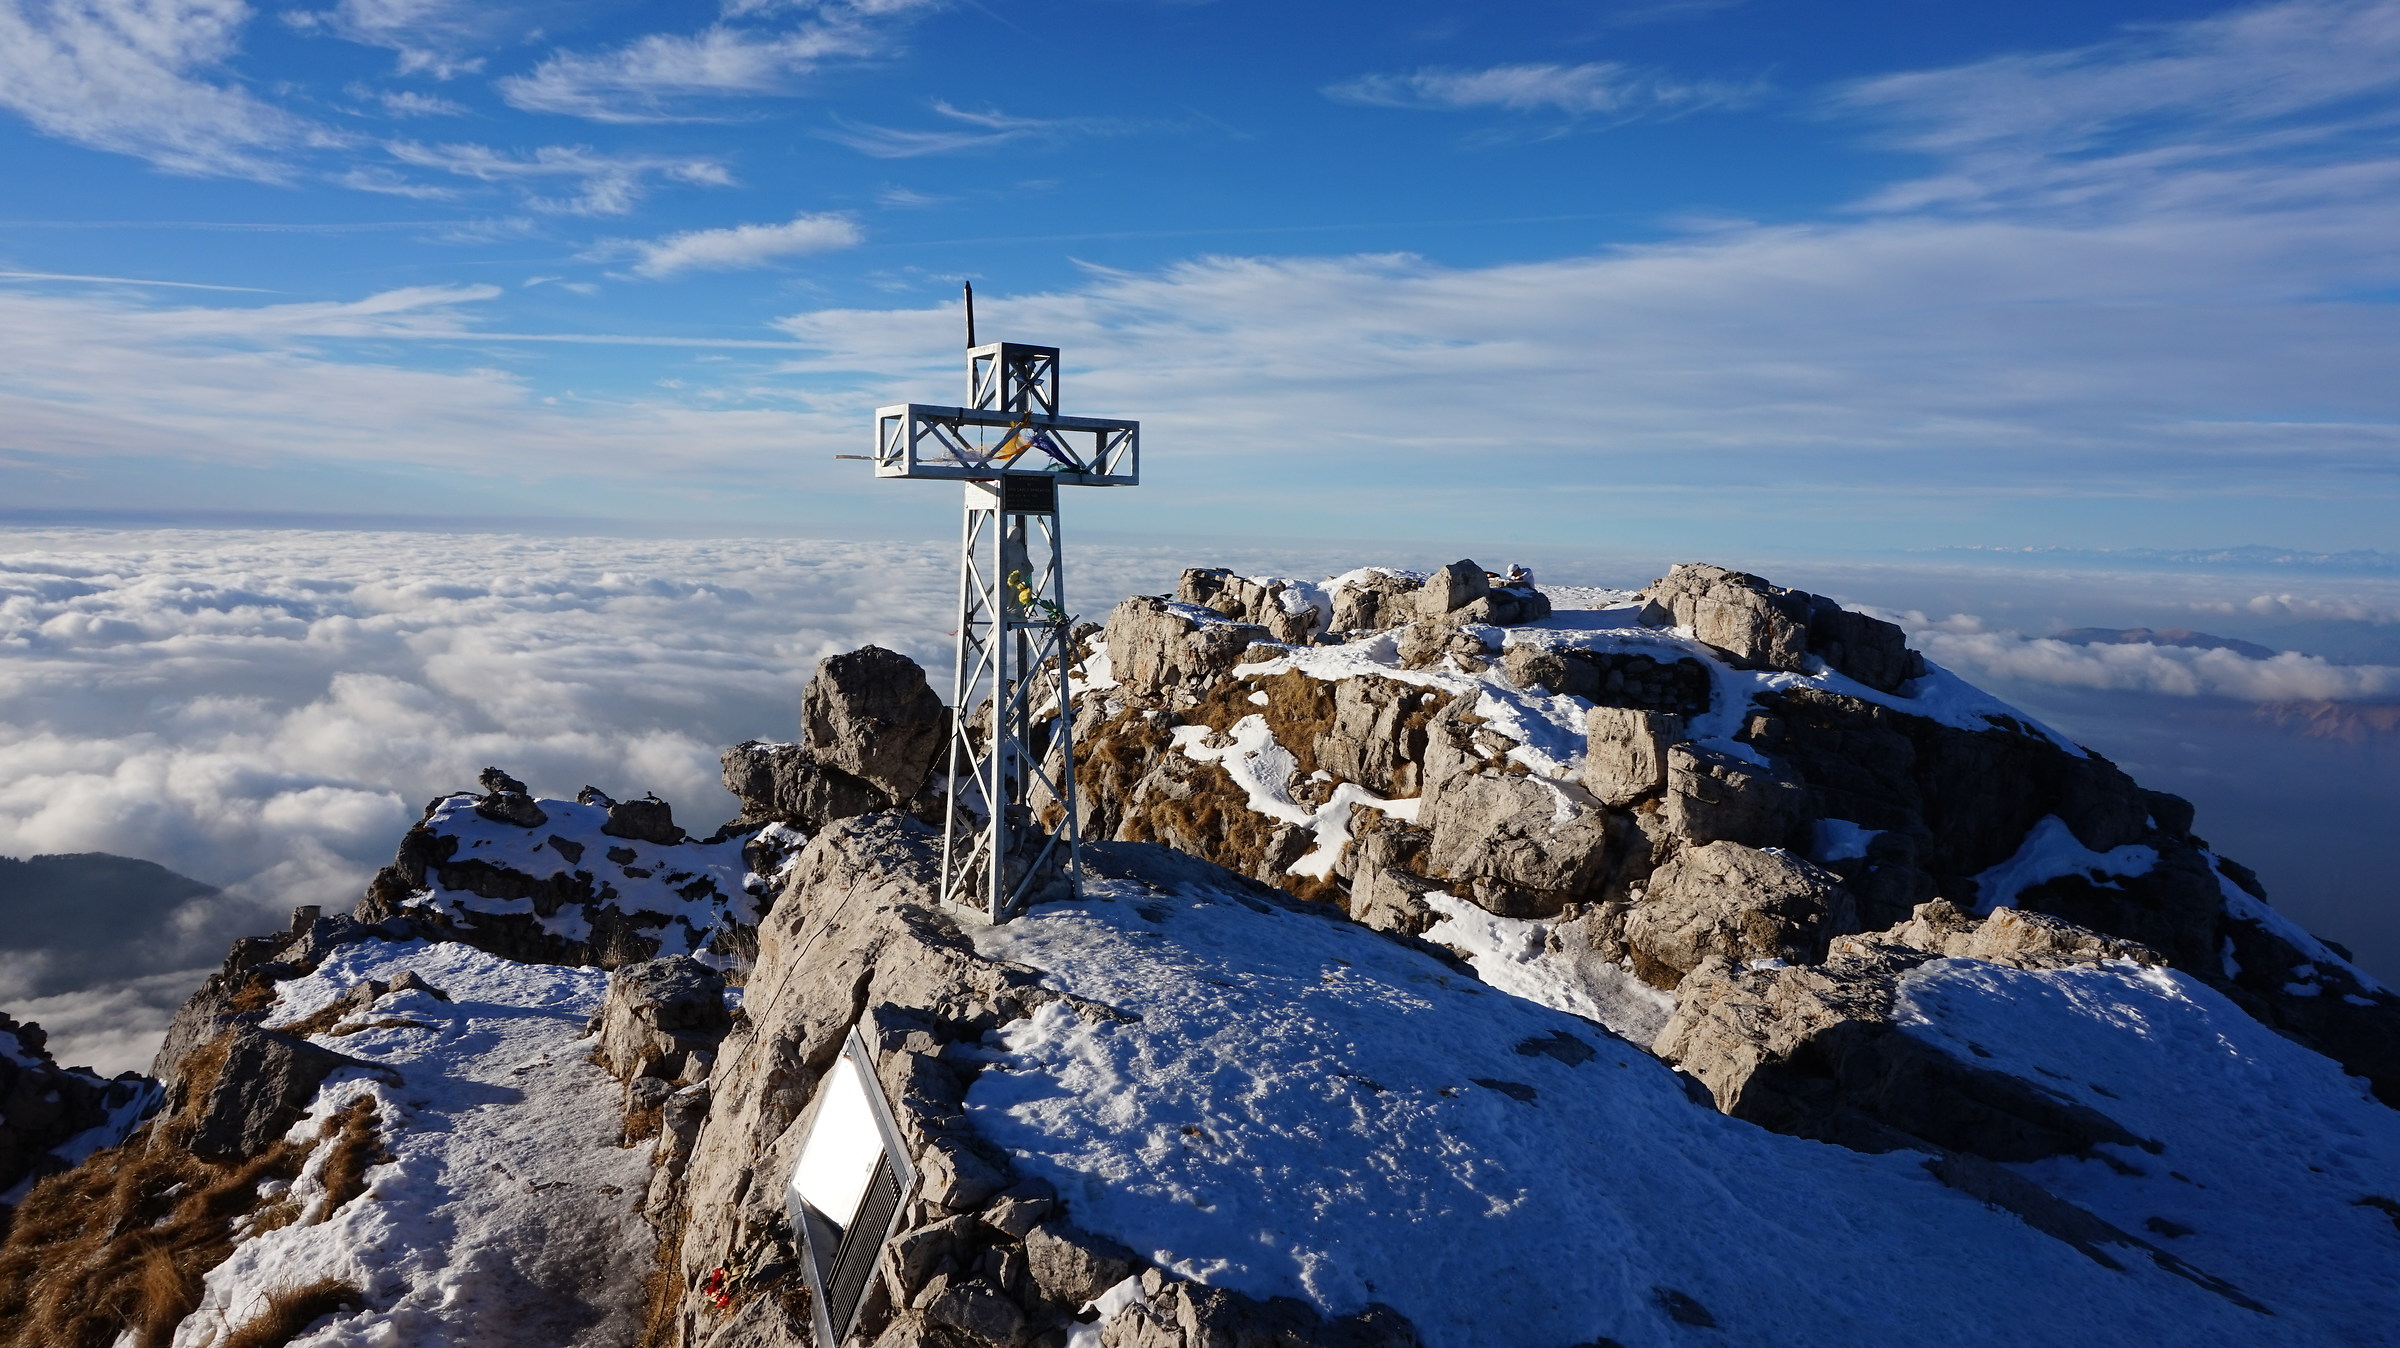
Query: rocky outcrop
x=872, y=729
x=598, y=882
x=44, y=1107
x=1158, y=648
x=1768, y=627
x=1289, y=613
x=663, y=1018
x=1813, y=1050
x=1721, y=900
x=1374, y=600
x=1625, y=753
x=1862, y=809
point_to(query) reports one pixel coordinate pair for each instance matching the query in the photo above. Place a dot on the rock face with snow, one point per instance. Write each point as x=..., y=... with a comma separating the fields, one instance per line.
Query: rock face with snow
x=592, y=881
x=1714, y=766
x=52, y=1116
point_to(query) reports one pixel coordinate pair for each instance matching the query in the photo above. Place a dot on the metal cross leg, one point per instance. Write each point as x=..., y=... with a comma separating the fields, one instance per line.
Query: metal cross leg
x=1011, y=760
x=1013, y=753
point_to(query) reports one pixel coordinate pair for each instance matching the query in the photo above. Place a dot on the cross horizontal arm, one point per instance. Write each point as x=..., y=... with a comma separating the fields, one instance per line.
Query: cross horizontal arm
x=926, y=440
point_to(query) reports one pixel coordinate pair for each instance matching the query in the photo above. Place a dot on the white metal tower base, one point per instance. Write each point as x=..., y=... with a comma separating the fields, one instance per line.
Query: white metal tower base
x=1013, y=705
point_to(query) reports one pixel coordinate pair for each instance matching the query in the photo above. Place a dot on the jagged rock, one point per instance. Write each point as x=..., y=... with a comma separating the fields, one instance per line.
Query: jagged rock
x=646, y=820
x=855, y=928
x=784, y=783
x=871, y=714
x=1524, y=845
x=253, y=1086
x=1189, y=1315
x=1713, y=796
x=1453, y=587
x=1155, y=648
x=1376, y=601
x=2008, y=936
x=1287, y=613
x=1378, y=734
x=497, y=783
x=658, y=1014
x=511, y=807
x=43, y=1104
x=1814, y=1051
x=1625, y=753
x=1425, y=641
x=1724, y=900
x=1771, y=627
x=1071, y=1266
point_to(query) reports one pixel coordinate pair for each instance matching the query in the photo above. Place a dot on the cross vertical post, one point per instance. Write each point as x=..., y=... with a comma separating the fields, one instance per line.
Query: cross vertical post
x=1011, y=755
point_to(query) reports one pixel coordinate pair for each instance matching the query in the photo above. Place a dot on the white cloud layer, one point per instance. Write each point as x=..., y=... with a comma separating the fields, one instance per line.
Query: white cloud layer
x=744, y=246
x=1603, y=90
x=2140, y=667
x=142, y=79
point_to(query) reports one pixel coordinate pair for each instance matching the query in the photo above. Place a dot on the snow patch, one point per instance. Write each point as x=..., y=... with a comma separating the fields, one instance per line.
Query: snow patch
x=2052, y=852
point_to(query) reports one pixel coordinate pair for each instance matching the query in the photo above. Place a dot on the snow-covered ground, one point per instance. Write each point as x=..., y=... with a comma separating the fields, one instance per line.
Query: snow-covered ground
x=1306, y=1108
x=2274, y=1168
x=509, y=1214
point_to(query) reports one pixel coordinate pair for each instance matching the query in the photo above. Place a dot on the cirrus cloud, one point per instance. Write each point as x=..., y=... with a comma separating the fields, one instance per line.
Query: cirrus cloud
x=1610, y=90
x=743, y=246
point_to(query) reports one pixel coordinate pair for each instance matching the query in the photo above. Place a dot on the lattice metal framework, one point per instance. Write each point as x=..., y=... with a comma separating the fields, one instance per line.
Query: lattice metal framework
x=1011, y=751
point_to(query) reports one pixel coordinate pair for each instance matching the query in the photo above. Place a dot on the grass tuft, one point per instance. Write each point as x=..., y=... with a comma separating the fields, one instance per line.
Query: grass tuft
x=289, y=1313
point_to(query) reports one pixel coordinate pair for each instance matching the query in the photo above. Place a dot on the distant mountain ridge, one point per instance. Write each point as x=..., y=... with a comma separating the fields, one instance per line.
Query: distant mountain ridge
x=2172, y=636
x=2246, y=555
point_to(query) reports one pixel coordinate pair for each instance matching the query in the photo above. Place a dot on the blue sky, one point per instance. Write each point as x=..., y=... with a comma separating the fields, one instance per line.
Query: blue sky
x=1697, y=275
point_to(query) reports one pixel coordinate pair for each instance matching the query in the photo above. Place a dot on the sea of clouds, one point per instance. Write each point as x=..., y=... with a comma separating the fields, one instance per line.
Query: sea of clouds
x=268, y=711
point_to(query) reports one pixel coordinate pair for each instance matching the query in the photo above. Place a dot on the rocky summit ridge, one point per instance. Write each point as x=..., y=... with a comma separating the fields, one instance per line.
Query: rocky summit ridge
x=1461, y=961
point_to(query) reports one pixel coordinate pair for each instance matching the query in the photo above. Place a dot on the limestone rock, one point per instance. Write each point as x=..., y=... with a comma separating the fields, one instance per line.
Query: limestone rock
x=871, y=714
x=1072, y=1266
x=1813, y=1051
x=43, y=1104
x=1155, y=648
x=647, y=820
x=1625, y=753
x=1453, y=587
x=1277, y=606
x=1379, y=600
x=1739, y=903
x=1524, y=845
x=255, y=1086
x=657, y=1014
x=786, y=784
x=1713, y=796
x=1770, y=627
x=1378, y=734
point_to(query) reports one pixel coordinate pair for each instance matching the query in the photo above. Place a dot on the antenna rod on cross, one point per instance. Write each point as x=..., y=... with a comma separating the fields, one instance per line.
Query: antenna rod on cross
x=970, y=315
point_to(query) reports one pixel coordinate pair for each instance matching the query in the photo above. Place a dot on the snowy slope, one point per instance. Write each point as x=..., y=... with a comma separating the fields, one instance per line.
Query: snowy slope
x=1306, y=1108
x=2270, y=1158
x=509, y=1213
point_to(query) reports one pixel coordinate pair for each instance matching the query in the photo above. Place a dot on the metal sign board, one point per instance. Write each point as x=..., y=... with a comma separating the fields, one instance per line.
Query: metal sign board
x=847, y=1189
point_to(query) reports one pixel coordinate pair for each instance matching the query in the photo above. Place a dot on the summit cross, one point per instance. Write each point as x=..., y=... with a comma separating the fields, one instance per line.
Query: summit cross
x=1009, y=820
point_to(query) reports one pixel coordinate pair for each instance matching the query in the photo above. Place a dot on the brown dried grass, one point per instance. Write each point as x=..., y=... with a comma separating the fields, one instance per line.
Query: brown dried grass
x=123, y=1241
x=289, y=1313
x=357, y=1146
